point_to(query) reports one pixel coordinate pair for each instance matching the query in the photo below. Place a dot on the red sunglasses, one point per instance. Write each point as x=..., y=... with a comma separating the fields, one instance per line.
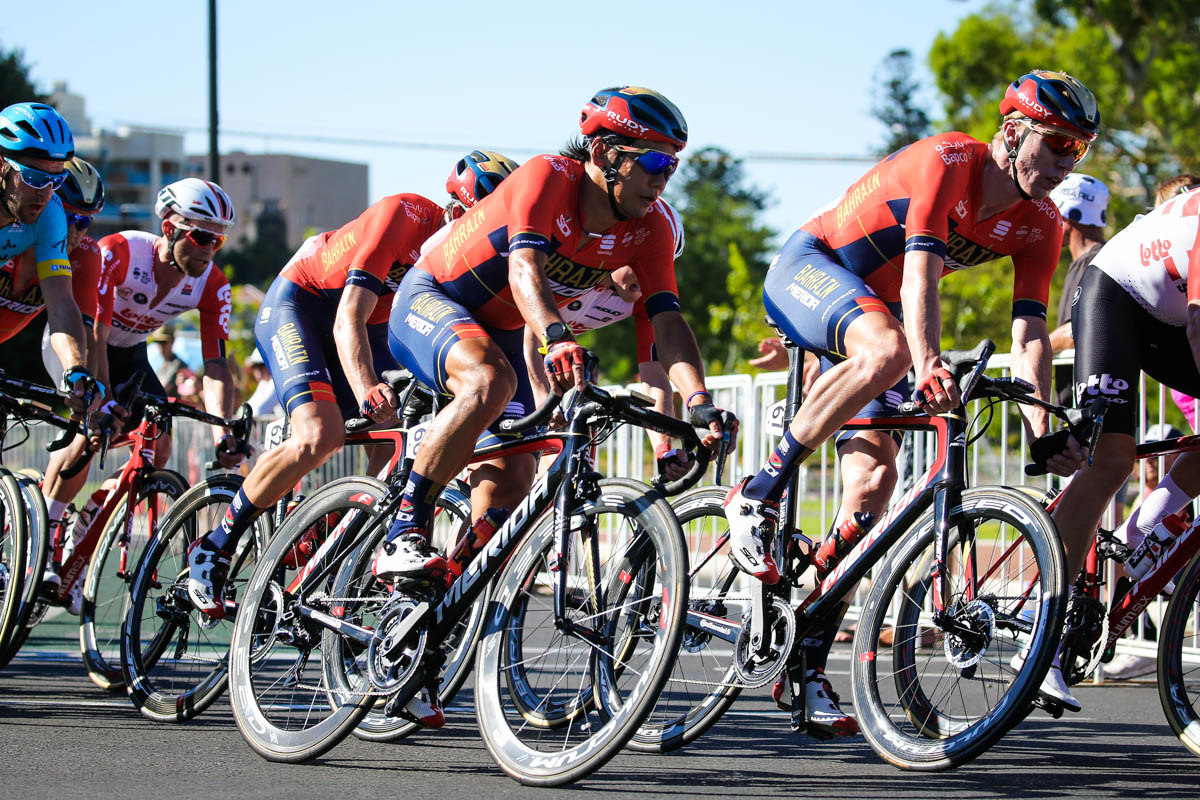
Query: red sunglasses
x=1061, y=144
x=201, y=237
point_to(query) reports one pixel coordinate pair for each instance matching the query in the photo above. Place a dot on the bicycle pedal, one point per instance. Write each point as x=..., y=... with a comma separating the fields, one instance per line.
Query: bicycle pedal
x=1049, y=705
x=818, y=733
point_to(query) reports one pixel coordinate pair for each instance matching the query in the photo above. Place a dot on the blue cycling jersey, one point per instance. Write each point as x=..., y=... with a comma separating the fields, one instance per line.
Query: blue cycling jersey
x=47, y=236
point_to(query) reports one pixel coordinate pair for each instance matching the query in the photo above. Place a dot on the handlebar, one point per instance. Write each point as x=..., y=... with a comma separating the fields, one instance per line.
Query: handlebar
x=399, y=381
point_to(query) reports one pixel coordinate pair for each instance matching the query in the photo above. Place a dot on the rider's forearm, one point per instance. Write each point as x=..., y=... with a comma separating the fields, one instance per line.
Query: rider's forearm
x=534, y=365
x=67, y=336
x=531, y=289
x=99, y=340
x=354, y=353
x=220, y=393
x=1193, y=330
x=1031, y=361
x=655, y=378
x=922, y=310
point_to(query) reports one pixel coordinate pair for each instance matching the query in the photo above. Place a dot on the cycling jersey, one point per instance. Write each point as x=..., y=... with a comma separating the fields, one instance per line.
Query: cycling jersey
x=603, y=306
x=537, y=207
x=47, y=236
x=373, y=251
x=926, y=197
x=1157, y=258
x=128, y=287
x=21, y=291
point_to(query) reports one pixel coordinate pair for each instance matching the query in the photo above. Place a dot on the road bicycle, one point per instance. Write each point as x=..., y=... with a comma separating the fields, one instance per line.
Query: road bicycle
x=174, y=658
x=969, y=577
x=562, y=676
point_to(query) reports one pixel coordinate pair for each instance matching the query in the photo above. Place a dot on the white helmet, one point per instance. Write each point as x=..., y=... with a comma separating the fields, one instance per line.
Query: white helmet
x=196, y=199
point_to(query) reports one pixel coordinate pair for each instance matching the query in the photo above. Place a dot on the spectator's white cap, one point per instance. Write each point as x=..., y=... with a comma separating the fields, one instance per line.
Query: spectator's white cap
x=254, y=358
x=1161, y=431
x=1082, y=199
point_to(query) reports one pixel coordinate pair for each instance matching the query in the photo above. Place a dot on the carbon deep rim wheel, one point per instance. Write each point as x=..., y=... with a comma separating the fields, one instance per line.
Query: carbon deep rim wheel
x=554, y=707
x=1179, y=657
x=943, y=691
x=14, y=546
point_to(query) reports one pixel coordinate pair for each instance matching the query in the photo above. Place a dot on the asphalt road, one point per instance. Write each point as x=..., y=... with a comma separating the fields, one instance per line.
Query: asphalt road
x=61, y=737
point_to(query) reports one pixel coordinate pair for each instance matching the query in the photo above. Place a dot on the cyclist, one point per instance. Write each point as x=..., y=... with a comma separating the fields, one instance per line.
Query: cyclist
x=322, y=332
x=1137, y=309
x=35, y=144
x=549, y=233
x=619, y=295
x=857, y=284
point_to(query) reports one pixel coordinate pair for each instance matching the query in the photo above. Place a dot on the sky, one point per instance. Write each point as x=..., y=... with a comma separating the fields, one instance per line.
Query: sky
x=753, y=78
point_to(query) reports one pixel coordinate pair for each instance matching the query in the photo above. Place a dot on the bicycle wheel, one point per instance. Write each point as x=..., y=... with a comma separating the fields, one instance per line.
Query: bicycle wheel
x=1179, y=657
x=35, y=559
x=14, y=548
x=106, y=596
x=703, y=683
x=541, y=717
x=452, y=519
x=283, y=703
x=950, y=685
x=173, y=658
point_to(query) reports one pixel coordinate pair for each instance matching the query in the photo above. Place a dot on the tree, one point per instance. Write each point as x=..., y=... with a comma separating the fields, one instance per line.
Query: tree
x=720, y=273
x=15, y=84
x=895, y=103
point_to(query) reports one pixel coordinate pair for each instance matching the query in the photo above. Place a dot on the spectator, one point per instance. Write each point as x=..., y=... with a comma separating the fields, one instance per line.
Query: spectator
x=263, y=402
x=169, y=371
x=1083, y=203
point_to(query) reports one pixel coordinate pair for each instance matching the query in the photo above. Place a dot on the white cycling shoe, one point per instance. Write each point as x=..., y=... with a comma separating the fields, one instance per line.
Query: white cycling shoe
x=748, y=519
x=1054, y=686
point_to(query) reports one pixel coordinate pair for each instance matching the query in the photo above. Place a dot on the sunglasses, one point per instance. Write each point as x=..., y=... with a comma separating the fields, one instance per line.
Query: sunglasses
x=36, y=178
x=655, y=162
x=80, y=221
x=1061, y=144
x=201, y=237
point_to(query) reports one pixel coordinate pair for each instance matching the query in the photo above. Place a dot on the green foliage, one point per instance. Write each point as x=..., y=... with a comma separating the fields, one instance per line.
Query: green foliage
x=15, y=83
x=895, y=104
x=256, y=262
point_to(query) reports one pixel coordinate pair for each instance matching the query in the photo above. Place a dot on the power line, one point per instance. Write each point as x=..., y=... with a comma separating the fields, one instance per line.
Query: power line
x=778, y=157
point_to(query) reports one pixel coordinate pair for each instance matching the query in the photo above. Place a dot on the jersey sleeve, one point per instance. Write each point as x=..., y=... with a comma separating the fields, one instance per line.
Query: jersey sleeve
x=541, y=187
x=86, y=265
x=379, y=232
x=50, y=247
x=1033, y=267
x=938, y=176
x=645, y=333
x=215, y=306
x=114, y=264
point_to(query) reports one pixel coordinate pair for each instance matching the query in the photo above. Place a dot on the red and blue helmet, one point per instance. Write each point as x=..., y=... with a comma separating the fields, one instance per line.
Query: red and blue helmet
x=1055, y=99
x=634, y=112
x=477, y=175
x=35, y=130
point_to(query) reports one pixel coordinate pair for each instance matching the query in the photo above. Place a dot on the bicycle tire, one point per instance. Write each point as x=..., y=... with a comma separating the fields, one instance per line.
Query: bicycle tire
x=941, y=713
x=1179, y=657
x=161, y=619
x=14, y=547
x=703, y=683
x=459, y=647
x=106, y=595
x=272, y=648
x=39, y=531
x=537, y=711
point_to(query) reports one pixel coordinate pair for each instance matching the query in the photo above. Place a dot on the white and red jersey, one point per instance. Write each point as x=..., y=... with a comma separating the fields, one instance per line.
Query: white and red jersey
x=1157, y=258
x=128, y=287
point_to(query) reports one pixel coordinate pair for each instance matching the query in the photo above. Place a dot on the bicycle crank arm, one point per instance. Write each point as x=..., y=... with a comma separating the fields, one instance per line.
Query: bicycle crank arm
x=720, y=628
x=355, y=632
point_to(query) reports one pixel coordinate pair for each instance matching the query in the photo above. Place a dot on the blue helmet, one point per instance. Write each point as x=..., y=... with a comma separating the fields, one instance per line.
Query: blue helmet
x=37, y=130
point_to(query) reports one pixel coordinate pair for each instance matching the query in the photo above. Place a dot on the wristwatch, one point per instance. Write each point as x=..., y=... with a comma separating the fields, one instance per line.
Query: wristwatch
x=556, y=332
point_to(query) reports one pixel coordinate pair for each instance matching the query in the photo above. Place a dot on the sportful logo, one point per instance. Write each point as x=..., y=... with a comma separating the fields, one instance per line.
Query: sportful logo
x=564, y=224
x=1001, y=229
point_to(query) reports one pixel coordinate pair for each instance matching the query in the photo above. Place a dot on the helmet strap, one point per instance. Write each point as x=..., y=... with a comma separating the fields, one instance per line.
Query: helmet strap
x=172, y=239
x=1012, y=165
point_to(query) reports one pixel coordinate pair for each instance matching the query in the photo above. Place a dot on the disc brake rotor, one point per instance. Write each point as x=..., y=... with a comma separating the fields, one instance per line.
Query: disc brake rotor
x=964, y=648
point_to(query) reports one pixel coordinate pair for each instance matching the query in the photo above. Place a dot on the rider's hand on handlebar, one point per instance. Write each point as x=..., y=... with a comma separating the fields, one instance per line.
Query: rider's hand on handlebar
x=82, y=392
x=719, y=423
x=566, y=366
x=673, y=462
x=108, y=421
x=937, y=392
x=1068, y=454
x=380, y=403
x=229, y=455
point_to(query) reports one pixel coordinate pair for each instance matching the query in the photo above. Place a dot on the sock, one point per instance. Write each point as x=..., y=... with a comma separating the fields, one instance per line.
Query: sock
x=818, y=644
x=772, y=479
x=238, y=517
x=56, y=509
x=1166, y=499
x=416, y=505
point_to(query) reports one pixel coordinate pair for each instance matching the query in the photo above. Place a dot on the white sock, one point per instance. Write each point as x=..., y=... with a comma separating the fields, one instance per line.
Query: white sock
x=56, y=509
x=1166, y=499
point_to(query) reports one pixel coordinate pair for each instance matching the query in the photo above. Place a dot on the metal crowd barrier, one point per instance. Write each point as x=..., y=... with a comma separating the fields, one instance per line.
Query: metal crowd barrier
x=997, y=457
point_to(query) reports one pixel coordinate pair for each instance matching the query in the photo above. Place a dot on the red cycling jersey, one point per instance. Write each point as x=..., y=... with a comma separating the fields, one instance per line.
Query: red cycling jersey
x=21, y=292
x=373, y=251
x=926, y=197
x=537, y=207
x=128, y=288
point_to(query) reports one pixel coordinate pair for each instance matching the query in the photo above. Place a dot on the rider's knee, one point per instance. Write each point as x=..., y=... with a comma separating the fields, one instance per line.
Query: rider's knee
x=316, y=441
x=868, y=478
x=490, y=386
x=887, y=359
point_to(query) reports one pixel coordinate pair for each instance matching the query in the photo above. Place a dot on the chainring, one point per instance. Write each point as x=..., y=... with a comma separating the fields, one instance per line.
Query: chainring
x=389, y=674
x=754, y=669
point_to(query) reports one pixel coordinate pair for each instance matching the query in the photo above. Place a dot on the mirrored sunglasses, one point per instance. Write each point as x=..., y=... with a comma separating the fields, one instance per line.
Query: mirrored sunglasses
x=655, y=162
x=36, y=178
x=201, y=237
x=80, y=221
x=1060, y=143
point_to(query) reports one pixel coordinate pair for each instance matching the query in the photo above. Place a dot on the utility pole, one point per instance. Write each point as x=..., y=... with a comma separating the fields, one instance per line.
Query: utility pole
x=214, y=157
